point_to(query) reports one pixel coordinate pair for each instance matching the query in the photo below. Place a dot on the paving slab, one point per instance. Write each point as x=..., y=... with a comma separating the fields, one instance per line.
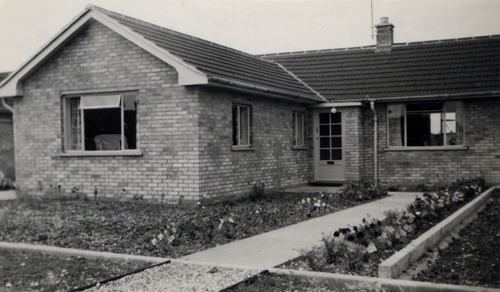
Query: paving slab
x=276, y=247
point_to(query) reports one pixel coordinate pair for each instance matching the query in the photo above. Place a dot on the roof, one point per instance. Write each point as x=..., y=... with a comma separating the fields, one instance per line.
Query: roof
x=458, y=66
x=216, y=60
x=198, y=62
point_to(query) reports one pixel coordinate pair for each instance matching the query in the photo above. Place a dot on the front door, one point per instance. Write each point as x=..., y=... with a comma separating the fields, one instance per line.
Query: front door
x=329, y=141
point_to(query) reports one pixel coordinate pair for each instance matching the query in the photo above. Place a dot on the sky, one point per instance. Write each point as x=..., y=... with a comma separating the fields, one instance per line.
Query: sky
x=257, y=26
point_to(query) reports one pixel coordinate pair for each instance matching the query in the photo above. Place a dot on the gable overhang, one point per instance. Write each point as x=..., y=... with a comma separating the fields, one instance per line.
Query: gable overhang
x=12, y=85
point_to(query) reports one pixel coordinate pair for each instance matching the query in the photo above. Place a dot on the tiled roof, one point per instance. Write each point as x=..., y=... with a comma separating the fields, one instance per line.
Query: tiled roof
x=216, y=60
x=457, y=66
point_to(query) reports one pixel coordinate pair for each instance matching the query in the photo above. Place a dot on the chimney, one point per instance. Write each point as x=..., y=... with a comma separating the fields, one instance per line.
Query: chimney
x=385, y=35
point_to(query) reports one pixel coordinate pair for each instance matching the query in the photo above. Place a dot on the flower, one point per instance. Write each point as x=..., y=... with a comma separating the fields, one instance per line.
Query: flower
x=160, y=237
x=154, y=241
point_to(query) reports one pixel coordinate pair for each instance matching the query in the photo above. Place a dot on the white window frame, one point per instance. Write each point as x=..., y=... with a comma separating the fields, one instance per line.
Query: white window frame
x=67, y=128
x=249, y=126
x=443, y=126
x=296, y=134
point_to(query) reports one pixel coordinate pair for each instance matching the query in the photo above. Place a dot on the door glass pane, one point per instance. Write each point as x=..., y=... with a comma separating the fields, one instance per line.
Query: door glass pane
x=244, y=125
x=324, y=118
x=324, y=142
x=324, y=154
x=336, y=154
x=337, y=142
x=324, y=130
x=336, y=118
x=336, y=130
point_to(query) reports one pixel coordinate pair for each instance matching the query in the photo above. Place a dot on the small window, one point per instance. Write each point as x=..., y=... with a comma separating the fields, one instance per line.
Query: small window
x=425, y=124
x=101, y=122
x=242, y=120
x=299, y=130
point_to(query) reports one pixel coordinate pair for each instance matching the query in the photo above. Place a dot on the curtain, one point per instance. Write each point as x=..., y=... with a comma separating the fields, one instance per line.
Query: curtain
x=395, y=113
x=75, y=124
x=459, y=107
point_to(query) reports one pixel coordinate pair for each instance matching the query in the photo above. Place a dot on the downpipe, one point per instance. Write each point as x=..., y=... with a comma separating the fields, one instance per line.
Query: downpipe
x=375, y=142
x=11, y=109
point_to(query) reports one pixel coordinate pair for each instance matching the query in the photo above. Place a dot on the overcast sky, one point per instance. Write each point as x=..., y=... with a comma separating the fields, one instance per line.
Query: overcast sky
x=255, y=26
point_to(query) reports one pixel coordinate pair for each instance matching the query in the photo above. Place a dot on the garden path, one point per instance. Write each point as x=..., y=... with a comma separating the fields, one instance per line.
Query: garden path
x=279, y=246
x=7, y=195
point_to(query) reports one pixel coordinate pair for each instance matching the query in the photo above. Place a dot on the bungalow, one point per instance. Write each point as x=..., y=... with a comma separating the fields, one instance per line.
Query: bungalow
x=116, y=107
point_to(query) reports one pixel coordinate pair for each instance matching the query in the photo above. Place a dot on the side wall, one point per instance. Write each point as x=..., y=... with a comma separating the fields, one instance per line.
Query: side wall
x=98, y=58
x=227, y=172
x=6, y=143
x=436, y=167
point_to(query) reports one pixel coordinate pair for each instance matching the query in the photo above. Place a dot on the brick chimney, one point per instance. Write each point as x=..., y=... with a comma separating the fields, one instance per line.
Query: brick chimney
x=385, y=35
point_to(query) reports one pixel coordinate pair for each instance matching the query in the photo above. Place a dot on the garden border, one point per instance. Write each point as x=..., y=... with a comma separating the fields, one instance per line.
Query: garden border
x=342, y=281
x=79, y=252
x=393, y=267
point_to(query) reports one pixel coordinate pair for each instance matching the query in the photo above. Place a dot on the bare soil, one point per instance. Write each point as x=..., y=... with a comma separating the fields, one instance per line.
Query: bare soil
x=31, y=271
x=473, y=258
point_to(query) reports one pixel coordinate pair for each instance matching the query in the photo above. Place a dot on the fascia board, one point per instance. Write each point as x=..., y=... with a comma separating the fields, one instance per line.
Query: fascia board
x=12, y=85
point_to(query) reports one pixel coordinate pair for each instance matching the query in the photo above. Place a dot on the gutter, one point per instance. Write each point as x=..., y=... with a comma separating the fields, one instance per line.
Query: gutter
x=375, y=142
x=246, y=86
x=11, y=109
x=426, y=97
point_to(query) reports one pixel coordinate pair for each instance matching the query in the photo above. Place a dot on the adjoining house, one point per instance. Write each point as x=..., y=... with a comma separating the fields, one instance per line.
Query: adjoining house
x=116, y=107
x=7, y=166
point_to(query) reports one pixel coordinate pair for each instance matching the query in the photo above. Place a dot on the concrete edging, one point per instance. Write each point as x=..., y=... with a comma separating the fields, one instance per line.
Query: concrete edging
x=341, y=281
x=393, y=267
x=82, y=253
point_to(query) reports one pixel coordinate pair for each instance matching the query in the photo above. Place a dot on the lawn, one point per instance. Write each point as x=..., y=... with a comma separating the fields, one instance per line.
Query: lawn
x=31, y=271
x=139, y=228
x=474, y=258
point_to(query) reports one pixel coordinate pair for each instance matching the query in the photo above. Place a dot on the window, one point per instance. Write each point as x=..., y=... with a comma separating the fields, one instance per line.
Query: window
x=425, y=124
x=101, y=122
x=299, y=130
x=242, y=120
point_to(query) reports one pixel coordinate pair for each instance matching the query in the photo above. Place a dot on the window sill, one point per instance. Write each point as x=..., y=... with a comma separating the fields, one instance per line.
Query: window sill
x=300, y=148
x=242, y=148
x=101, y=153
x=428, y=148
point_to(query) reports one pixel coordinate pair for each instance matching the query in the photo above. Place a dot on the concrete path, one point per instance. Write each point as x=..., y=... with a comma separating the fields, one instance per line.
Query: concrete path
x=7, y=195
x=277, y=247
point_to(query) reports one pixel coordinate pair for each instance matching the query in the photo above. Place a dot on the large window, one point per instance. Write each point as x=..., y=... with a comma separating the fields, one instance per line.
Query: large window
x=299, y=129
x=242, y=120
x=425, y=124
x=101, y=122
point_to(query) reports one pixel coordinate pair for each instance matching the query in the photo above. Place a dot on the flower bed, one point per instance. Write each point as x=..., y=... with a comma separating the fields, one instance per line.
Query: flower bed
x=360, y=249
x=161, y=230
x=30, y=271
x=474, y=258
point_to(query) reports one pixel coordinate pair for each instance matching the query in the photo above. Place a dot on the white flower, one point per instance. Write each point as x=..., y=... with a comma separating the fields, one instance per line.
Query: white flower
x=231, y=220
x=371, y=248
x=257, y=212
x=154, y=241
x=160, y=237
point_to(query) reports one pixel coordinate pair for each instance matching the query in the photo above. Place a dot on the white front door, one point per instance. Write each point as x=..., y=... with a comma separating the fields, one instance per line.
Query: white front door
x=329, y=141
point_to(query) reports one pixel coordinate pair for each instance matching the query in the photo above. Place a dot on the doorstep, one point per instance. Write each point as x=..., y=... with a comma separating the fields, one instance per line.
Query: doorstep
x=8, y=195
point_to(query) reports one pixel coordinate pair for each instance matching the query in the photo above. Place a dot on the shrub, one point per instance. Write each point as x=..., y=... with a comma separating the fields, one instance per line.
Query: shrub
x=348, y=248
x=258, y=191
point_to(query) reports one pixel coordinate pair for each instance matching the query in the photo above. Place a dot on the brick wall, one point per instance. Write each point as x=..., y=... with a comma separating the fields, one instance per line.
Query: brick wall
x=411, y=168
x=167, y=134
x=6, y=144
x=227, y=172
